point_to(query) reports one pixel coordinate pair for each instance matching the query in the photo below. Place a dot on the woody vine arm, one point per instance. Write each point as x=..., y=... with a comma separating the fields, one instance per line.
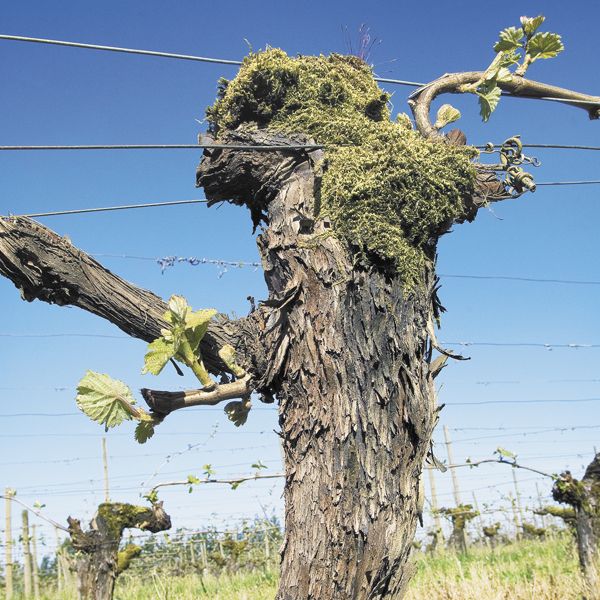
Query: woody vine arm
x=48, y=267
x=458, y=83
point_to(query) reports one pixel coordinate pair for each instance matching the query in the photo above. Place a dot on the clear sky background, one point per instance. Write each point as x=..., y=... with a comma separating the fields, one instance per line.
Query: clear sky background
x=54, y=95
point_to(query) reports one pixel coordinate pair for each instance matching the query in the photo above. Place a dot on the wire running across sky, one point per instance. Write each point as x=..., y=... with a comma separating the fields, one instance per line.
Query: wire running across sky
x=224, y=61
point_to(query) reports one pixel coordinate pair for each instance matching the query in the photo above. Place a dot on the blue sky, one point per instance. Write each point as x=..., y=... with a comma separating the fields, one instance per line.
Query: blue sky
x=53, y=95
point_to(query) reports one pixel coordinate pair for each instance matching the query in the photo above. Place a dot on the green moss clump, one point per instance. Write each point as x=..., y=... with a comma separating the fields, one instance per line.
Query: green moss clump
x=388, y=191
x=117, y=516
x=125, y=556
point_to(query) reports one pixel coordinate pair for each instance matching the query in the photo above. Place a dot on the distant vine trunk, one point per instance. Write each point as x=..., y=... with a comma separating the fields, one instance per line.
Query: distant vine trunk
x=350, y=367
x=98, y=560
x=584, y=497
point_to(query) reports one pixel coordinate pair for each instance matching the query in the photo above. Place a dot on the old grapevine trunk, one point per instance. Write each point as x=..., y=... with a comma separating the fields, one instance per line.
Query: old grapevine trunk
x=349, y=364
x=344, y=342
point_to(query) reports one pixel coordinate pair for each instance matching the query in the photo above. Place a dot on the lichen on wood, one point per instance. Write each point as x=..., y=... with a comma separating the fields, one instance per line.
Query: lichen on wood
x=387, y=191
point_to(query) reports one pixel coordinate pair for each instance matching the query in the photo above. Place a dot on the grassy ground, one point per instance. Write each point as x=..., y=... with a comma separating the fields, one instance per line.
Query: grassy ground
x=527, y=570
x=250, y=586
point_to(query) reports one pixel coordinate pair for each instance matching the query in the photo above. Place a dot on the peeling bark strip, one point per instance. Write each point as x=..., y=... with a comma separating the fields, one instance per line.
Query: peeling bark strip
x=349, y=364
x=98, y=560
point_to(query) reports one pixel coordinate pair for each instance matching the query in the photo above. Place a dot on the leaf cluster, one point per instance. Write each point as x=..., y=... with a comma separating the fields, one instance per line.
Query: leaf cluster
x=109, y=401
x=517, y=49
x=460, y=515
x=180, y=340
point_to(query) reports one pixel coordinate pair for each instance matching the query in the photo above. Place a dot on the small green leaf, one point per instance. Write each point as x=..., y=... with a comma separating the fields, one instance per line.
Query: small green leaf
x=445, y=115
x=237, y=411
x=196, y=326
x=488, y=100
x=505, y=453
x=37, y=504
x=544, y=45
x=178, y=308
x=208, y=470
x=236, y=484
x=258, y=465
x=227, y=354
x=192, y=479
x=508, y=59
x=199, y=317
x=152, y=496
x=144, y=431
x=159, y=352
x=105, y=400
x=531, y=24
x=510, y=39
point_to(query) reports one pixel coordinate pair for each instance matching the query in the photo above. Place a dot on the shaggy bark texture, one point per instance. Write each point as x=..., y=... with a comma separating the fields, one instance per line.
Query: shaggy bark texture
x=349, y=363
x=341, y=344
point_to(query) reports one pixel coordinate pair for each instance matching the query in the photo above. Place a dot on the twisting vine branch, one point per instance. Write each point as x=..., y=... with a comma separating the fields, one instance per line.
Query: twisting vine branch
x=454, y=83
x=501, y=461
x=234, y=481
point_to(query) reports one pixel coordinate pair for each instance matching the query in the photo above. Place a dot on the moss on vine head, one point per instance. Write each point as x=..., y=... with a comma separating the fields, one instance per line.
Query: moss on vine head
x=387, y=191
x=118, y=516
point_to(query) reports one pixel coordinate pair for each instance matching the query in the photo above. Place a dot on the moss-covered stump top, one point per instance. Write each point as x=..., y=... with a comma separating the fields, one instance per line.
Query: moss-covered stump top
x=113, y=517
x=388, y=191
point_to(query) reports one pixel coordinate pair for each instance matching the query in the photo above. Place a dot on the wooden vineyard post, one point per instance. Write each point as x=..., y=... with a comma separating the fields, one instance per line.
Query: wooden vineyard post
x=203, y=552
x=192, y=552
x=8, y=564
x=437, y=521
x=105, y=465
x=34, y=557
x=267, y=548
x=541, y=506
x=455, y=487
x=479, y=517
x=60, y=576
x=27, y=563
x=513, y=504
x=518, y=497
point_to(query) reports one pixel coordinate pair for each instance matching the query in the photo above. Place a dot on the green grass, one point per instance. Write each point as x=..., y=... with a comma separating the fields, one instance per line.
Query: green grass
x=525, y=570
x=540, y=570
x=260, y=585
